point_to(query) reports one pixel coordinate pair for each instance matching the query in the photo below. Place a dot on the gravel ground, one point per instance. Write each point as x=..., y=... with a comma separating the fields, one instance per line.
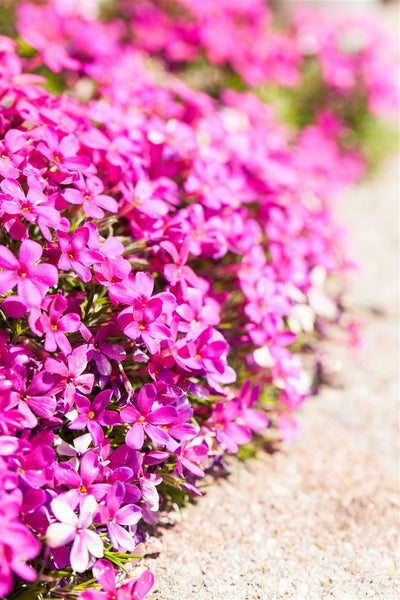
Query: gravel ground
x=320, y=519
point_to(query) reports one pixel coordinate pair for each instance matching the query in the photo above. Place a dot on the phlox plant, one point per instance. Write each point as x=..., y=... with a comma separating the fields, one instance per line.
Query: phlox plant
x=163, y=260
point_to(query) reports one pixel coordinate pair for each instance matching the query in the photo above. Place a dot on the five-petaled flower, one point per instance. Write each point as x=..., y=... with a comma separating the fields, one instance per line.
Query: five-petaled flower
x=33, y=279
x=86, y=543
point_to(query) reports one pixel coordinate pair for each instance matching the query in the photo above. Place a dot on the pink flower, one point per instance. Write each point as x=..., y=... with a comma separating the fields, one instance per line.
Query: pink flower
x=75, y=253
x=230, y=429
x=63, y=154
x=71, y=528
x=71, y=376
x=17, y=545
x=142, y=199
x=197, y=312
x=179, y=271
x=138, y=291
x=34, y=207
x=145, y=324
x=89, y=194
x=93, y=414
x=32, y=279
x=148, y=417
x=189, y=455
x=82, y=483
x=53, y=325
x=115, y=512
x=134, y=589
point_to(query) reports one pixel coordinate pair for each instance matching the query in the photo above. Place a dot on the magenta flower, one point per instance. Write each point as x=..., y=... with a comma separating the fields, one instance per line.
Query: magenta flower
x=34, y=397
x=93, y=415
x=137, y=291
x=254, y=418
x=115, y=513
x=113, y=267
x=75, y=253
x=41, y=27
x=86, y=481
x=62, y=154
x=190, y=455
x=141, y=198
x=147, y=418
x=89, y=194
x=179, y=271
x=198, y=312
x=32, y=279
x=145, y=324
x=17, y=545
x=134, y=589
x=35, y=464
x=71, y=376
x=206, y=353
x=71, y=528
x=230, y=430
x=34, y=207
x=55, y=325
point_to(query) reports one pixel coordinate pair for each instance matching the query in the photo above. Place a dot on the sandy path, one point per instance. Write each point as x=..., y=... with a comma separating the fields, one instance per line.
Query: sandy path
x=319, y=519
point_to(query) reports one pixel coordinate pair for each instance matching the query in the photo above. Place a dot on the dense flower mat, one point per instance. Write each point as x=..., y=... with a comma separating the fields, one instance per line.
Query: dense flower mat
x=164, y=254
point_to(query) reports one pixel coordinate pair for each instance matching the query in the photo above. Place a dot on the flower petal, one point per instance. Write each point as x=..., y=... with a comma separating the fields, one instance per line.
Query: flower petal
x=120, y=538
x=135, y=437
x=143, y=585
x=63, y=512
x=29, y=293
x=105, y=574
x=79, y=555
x=59, y=534
x=8, y=280
x=93, y=543
x=30, y=252
x=7, y=259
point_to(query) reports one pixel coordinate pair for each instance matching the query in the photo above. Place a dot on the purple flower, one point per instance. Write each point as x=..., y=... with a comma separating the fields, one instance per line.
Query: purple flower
x=32, y=279
x=71, y=528
x=104, y=352
x=34, y=397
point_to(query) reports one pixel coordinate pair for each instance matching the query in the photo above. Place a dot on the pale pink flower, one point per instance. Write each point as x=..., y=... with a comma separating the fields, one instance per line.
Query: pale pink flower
x=71, y=528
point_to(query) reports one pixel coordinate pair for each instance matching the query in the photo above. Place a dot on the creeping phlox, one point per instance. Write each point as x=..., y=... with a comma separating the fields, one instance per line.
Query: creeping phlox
x=162, y=263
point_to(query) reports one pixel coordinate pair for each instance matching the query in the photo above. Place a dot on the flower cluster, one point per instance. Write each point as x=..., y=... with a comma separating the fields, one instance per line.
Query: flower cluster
x=162, y=263
x=348, y=55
